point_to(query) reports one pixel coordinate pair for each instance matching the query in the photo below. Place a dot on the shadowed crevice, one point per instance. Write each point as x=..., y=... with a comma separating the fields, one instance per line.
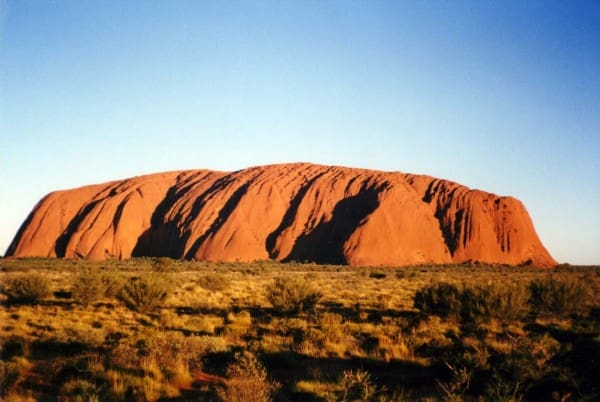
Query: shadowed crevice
x=63, y=240
x=224, y=214
x=450, y=232
x=288, y=217
x=163, y=238
x=218, y=185
x=157, y=241
x=430, y=191
x=119, y=212
x=325, y=243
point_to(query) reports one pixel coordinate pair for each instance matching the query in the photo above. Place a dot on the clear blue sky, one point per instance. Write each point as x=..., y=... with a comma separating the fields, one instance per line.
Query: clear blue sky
x=502, y=96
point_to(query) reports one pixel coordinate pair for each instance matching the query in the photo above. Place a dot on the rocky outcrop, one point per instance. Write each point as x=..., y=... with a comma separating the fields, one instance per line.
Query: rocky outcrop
x=286, y=212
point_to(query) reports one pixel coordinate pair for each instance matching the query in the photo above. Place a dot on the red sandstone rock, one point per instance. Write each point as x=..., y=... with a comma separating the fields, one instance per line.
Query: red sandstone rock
x=285, y=212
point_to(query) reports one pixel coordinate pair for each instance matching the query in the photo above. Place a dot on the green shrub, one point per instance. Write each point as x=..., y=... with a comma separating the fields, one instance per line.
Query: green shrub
x=146, y=293
x=247, y=381
x=28, y=288
x=113, y=283
x=91, y=285
x=292, y=295
x=501, y=302
x=214, y=282
x=441, y=299
x=514, y=304
x=88, y=287
x=163, y=264
x=473, y=302
x=559, y=296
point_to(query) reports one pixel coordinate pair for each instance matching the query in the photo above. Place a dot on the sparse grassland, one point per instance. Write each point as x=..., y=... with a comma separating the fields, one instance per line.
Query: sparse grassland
x=161, y=329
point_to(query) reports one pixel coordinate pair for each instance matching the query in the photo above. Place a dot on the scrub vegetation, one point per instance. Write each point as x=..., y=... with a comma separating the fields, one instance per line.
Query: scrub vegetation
x=166, y=330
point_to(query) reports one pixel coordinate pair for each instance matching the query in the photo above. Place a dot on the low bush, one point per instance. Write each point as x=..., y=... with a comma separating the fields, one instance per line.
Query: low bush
x=292, y=295
x=559, y=296
x=166, y=355
x=501, y=302
x=441, y=299
x=88, y=287
x=247, y=381
x=472, y=302
x=91, y=285
x=163, y=264
x=28, y=288
x=214, y=282
x=113, y=283
x=146, y=293
x=357, y=386
x=529, y=363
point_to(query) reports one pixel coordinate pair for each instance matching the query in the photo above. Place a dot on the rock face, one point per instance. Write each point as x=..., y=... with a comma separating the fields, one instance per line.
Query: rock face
x=287, y=212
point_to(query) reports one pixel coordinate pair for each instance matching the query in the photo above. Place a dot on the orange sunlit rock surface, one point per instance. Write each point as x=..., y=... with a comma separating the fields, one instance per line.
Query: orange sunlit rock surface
x=287, y=212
